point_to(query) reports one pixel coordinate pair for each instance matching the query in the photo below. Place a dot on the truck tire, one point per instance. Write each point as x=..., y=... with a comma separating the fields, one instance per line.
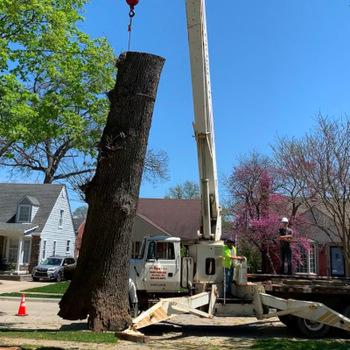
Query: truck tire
x=289, y=321
x=312, y=329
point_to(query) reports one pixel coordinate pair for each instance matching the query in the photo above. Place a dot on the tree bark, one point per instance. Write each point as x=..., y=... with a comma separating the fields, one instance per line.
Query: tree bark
x=99, y=288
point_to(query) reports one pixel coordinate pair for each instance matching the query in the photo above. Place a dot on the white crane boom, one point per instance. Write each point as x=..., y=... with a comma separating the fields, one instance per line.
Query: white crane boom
x=203, y=122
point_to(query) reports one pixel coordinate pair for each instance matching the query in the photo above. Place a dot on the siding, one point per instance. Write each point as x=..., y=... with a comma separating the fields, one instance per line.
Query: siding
x=34, y=211
x=52, y=232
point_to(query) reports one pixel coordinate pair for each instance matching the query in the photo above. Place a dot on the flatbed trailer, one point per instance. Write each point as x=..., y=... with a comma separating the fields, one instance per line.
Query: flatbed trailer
x=332, y=292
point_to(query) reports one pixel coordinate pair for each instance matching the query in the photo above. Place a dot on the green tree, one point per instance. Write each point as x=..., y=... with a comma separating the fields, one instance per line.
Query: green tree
x=52, y=84
x=80, y=212
x=54, y=81
x=187, y=190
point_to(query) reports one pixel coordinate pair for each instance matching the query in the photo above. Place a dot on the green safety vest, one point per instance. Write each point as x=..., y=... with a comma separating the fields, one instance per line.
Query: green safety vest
x=227, y=255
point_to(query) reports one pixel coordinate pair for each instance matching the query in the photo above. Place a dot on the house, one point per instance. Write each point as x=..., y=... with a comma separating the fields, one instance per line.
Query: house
x=156, y=216
x=326, y=256
x=35, y=222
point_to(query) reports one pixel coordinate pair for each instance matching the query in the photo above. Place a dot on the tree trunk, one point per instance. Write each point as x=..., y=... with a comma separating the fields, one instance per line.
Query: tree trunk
x=99, y=288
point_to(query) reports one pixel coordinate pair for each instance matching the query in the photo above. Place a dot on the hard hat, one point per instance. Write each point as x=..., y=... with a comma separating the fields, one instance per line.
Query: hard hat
x=285, y=220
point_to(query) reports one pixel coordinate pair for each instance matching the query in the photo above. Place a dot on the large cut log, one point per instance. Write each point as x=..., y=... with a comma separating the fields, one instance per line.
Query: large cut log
x=99, y=288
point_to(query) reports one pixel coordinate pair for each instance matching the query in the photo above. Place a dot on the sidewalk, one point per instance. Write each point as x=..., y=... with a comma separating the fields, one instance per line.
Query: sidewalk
x=41, y=315
x=17, y=286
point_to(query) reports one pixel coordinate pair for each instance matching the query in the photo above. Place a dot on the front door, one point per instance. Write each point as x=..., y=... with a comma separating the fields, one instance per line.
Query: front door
x=162, y=270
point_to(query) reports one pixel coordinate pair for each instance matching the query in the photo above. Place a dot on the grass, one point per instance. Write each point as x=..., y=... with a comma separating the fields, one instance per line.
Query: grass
x=54, y=288
x=281, y=344
x=13, y=294
x=71, y=336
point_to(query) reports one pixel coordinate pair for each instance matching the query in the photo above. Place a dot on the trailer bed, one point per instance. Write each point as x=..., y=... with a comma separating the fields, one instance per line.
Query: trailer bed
x=333, y=292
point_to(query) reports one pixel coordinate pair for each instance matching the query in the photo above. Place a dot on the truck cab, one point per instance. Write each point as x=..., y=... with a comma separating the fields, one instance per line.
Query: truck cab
x=158, y=266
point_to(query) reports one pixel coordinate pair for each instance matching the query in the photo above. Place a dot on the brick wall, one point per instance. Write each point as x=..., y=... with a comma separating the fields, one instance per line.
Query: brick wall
x=34, y=256
x=323, y=261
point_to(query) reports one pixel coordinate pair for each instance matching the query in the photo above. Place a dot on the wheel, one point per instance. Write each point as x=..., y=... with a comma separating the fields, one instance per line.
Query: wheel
x=312, y=329
x=289, y=321
x=59, y=277
x=35, y=279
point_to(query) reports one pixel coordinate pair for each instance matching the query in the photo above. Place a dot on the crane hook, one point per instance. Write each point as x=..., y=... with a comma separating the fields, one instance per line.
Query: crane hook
x=132, y=4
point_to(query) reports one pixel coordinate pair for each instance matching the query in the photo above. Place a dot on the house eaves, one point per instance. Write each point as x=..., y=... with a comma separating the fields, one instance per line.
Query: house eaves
x=17, y=229
x=149, y=221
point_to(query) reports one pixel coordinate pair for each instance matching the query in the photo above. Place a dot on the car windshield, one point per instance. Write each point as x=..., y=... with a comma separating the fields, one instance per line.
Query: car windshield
x=52, y=261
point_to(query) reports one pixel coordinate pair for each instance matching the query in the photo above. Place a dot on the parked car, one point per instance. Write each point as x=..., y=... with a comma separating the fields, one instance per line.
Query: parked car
x=54, y=268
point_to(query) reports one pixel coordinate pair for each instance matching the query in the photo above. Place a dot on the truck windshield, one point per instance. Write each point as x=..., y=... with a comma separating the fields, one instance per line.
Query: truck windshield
x=161, y=250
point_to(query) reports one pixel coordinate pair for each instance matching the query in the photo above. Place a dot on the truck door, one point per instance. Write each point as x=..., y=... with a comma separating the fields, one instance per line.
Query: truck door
x=162, y=268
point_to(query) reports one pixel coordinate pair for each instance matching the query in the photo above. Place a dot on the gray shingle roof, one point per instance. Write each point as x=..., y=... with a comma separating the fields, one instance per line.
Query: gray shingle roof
x=179, y=217
x=11, y=194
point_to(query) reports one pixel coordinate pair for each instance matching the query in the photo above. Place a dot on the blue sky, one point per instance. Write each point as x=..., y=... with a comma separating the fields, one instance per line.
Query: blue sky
x=274, y=66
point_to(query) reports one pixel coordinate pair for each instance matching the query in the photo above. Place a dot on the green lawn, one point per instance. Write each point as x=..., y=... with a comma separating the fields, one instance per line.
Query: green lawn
x=72, y=336
x=28, y=295
x=281, y=344
x=54, y=288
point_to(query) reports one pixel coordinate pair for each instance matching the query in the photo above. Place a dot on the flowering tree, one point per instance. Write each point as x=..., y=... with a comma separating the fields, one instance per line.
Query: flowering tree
x=319, y=167
x=258, y=207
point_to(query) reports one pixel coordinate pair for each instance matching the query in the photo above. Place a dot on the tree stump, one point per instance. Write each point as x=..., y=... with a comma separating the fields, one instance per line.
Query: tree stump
x=99, y=288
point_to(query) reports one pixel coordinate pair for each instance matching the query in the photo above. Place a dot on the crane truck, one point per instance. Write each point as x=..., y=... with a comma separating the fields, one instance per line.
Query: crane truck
x=195, y=283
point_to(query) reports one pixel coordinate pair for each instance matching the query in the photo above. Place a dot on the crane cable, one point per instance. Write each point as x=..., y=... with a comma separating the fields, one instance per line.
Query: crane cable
x=132, y=4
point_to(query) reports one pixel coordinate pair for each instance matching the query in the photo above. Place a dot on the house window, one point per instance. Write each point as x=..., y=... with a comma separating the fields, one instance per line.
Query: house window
x=26, y=251
x=13, y=250
x=312, y=258
x=68, y=246
x=54, y=248
x=24, y=212
x=60, y=223
x=44, y=249
x=308, y=260
x=337, y=262
x=135, y=248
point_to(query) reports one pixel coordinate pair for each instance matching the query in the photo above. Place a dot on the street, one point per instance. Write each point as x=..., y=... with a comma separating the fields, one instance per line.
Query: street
x=184, y=331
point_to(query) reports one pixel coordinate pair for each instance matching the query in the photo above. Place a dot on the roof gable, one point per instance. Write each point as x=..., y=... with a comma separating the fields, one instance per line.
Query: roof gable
x=13, y=194
x=29, y=200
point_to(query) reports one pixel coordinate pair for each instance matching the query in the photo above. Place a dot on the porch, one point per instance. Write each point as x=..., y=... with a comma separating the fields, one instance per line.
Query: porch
x=16, y=247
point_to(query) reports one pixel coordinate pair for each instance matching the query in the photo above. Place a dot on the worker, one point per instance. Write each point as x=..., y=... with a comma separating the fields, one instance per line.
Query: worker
x=285, y=238
x=133, y=300
x=230, y=254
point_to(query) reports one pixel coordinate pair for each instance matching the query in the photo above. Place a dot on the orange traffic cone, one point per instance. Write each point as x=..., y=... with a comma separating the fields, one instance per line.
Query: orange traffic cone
x=22, y=310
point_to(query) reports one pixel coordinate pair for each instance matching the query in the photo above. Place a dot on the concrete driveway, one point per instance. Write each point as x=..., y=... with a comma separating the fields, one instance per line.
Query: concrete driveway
x=17, y=286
